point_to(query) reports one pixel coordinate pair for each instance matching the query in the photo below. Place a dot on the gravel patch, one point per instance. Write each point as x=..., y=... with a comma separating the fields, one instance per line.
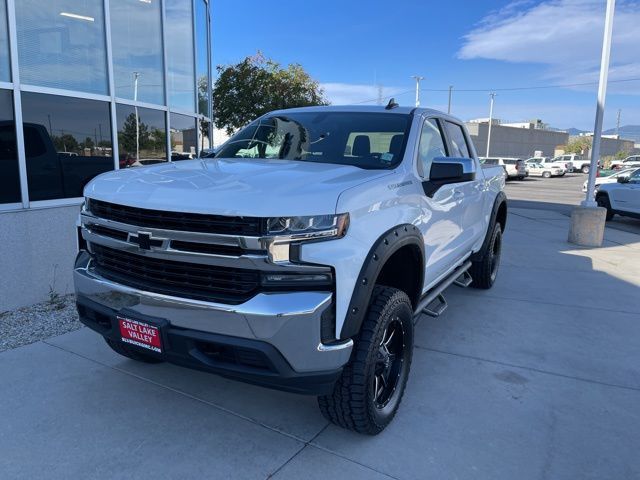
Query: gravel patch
x=40, y=321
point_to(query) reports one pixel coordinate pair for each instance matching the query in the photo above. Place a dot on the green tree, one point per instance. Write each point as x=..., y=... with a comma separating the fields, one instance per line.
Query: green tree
x=65, y=143
x=258, y=85
x=622, y=154
x=127, y=135
x=578, y=145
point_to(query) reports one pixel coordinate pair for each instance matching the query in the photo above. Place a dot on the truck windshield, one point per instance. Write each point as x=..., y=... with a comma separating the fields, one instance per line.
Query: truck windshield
x=361, y=139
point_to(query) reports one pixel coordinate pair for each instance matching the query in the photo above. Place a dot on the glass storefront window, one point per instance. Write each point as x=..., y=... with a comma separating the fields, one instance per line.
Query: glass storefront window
x=136, y=36
x=146, y=144
x=180, y=62
x=5, y=69
x=202, y=57
x=67, y=143
x=9, y=173
x=61, y=44
x=183, y=137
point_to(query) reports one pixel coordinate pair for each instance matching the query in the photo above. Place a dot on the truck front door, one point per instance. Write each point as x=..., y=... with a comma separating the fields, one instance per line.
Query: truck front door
x=442, y=223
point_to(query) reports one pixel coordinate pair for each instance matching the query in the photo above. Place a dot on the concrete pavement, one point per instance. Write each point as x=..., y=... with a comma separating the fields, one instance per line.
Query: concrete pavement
x=536, y=378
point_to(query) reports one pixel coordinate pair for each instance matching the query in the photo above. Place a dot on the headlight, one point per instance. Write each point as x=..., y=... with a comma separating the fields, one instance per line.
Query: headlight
x=282, y=232
x=309, y=228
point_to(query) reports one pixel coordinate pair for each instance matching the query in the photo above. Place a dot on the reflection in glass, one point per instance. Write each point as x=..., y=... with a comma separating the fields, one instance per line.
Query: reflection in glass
x=67, y=143
x=202, y=57
x=143, y=142
x=205, y=135
x=181, y=71
x=9, y=173
x=183, y=137
x=136, y=33
x=61, y=44
x=5, y=70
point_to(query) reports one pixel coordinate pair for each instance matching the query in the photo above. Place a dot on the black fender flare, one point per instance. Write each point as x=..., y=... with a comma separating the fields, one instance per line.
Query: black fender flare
x=501, y=199
x=388, y=243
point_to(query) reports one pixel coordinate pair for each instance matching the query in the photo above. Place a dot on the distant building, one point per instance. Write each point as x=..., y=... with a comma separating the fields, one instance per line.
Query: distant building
x=515, y=139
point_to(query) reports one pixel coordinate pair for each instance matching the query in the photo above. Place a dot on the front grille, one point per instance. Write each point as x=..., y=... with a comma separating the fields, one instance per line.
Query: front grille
x=209, y=248
x=182, y=279
x=189, y=222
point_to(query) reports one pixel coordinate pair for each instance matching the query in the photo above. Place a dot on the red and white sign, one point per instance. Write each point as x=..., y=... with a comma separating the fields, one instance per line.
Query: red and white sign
x=140, y=334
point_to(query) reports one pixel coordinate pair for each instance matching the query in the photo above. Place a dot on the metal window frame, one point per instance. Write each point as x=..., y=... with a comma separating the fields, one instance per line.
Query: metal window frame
x=17, y=101
x=165, y=73
x=17, y=88
x=112, y=86
x=195, y=75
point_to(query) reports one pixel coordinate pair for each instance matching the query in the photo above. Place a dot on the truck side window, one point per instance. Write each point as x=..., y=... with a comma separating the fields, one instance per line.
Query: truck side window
x=431, y=146
x=459, y=147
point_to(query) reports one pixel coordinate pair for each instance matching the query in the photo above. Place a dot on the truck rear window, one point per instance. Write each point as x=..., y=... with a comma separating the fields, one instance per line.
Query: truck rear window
x=361, y=139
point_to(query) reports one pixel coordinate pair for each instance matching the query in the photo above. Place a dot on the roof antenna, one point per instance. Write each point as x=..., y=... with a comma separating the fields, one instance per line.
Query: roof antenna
x=392, y=104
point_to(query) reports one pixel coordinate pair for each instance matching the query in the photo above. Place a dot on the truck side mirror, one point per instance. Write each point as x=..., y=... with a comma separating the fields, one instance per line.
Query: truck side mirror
x=446, y=170
x=452, y=170
x=623, y=179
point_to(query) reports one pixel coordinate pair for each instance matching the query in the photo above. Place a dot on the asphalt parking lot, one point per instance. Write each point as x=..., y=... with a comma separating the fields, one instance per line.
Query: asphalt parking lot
x=559, y=194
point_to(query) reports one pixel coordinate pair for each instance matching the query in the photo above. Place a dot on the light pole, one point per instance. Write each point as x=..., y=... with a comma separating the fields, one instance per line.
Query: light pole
x=602, y=94
x=587, y=221
x=449, y=106
x=492, y=96
x=136, y=75
x=418, y=78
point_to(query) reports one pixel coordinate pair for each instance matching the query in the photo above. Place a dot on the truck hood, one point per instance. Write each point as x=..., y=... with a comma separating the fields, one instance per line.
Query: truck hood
x=239, y=187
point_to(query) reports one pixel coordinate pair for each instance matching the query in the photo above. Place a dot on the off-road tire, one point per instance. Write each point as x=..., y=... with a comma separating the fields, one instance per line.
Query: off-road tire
x=603, y=201
x=131, y=353
x=485, y=270
x=546, y=174
x=352, y=405
x=585, y=169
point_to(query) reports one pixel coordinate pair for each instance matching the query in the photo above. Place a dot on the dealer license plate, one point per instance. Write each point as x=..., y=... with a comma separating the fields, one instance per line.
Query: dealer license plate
x=140, y=334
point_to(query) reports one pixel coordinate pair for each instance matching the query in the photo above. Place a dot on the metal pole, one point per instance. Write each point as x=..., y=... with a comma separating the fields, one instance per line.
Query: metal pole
x=135, y=106
x=450, y=90
x=418, y=78
x=589, y=201
x=493, y=96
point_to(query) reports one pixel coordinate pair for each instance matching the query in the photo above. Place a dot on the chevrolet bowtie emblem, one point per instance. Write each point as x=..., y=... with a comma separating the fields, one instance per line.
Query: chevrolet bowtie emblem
x=145, y=240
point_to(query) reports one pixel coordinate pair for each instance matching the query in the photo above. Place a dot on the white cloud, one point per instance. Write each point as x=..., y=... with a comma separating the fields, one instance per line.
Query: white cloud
x=564, y=36
x=351, y=93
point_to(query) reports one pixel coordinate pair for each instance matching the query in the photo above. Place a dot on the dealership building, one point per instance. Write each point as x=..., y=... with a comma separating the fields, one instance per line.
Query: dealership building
x=88, y=86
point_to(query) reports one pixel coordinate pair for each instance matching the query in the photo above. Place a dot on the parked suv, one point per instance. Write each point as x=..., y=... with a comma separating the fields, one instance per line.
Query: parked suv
x=622, y=197
x=298, y=257
x=514, y=167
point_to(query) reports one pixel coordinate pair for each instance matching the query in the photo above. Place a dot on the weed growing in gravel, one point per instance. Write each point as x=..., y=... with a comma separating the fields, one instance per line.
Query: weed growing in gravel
x=56, y=301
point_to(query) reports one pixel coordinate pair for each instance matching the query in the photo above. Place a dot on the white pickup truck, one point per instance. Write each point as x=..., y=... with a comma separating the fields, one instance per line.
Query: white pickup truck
x=299, y=256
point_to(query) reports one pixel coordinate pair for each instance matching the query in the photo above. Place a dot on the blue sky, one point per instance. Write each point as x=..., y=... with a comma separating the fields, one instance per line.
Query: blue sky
x=350, y=46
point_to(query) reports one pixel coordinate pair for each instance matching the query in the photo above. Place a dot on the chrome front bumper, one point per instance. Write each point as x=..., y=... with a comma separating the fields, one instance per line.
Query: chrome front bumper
x=290, y=322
